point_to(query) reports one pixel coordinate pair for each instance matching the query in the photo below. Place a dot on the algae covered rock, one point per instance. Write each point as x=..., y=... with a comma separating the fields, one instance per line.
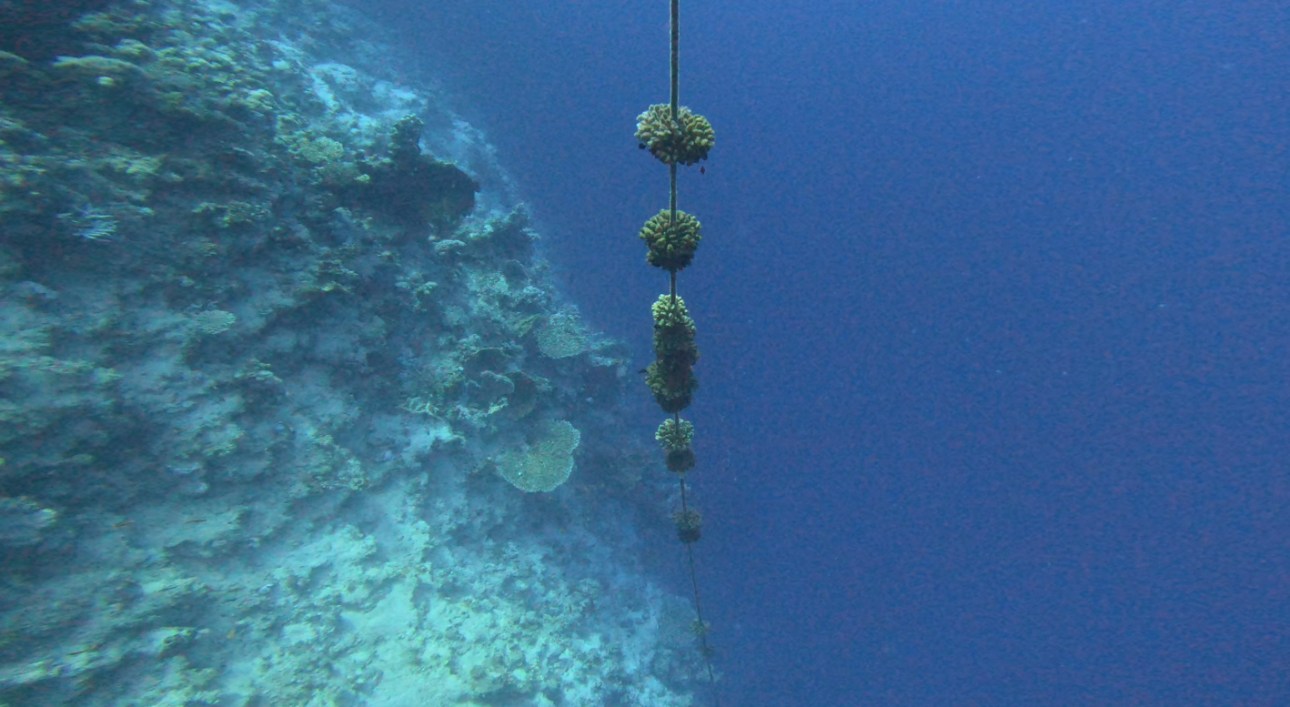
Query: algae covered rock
x=414, y=189
x=23, y=522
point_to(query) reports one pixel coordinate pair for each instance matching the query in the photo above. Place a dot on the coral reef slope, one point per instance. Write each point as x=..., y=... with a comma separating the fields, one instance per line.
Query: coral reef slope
x=291, y=412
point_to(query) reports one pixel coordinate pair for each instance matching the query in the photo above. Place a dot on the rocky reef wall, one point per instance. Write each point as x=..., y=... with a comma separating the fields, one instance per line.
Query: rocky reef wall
x=288, y=401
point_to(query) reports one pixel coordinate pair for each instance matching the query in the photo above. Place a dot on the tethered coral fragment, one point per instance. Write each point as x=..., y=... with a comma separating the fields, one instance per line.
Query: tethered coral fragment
x=685, y=140
x=689, y=524
x=671, y=377
x=680, y=460
x=671, y=245
x=676, y=136
x=675, y=435
x=674, y=330
x=673, y=385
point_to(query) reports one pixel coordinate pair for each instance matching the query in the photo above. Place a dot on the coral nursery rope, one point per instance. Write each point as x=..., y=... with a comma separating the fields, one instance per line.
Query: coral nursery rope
x=677, y=136
x=698, y=605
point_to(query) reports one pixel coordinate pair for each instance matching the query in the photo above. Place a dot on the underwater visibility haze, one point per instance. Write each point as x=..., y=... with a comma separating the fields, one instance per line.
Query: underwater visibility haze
x=327, y=335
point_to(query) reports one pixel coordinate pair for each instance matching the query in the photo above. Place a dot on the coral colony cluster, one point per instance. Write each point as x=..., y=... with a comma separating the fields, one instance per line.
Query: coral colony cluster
x=290, y=412
x=677, y=136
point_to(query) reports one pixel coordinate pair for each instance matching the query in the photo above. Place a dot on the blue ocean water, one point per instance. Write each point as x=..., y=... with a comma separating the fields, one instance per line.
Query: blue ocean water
x=300, y=405
x=992, y=304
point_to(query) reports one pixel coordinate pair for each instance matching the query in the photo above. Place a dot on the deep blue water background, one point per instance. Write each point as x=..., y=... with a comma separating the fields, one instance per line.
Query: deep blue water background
x=993, y=306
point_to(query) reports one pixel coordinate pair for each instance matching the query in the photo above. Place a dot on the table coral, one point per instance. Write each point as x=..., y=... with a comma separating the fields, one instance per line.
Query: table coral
x=546, y=465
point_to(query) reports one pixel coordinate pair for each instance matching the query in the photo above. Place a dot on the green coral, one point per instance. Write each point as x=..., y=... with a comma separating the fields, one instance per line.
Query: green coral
x=673, y=385
x=671, y=377
x=685, y=140
x=96, y=68
x=671, y=245
x=318, y=150
x=674, y=330
x=689, y=526
x=546, y=465
x=680, y=460
x=674, y=435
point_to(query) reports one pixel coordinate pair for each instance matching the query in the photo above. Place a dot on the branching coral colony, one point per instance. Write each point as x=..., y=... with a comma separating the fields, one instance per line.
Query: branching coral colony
x=676, y=136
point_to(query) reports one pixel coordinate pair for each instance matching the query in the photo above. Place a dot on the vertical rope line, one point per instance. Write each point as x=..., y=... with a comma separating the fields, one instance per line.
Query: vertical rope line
x=685, y=504
x=673, y=201
x=676, y=58
x=698, y=606
x=676, y=89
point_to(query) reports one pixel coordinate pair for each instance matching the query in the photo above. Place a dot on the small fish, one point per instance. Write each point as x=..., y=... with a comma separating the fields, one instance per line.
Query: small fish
x=122, y=524
x=703, y=170
x=195, y=521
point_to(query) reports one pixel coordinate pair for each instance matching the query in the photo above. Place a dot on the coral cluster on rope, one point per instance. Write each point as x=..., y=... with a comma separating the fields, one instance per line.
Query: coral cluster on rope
x=675, y=135
x=681, y=138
